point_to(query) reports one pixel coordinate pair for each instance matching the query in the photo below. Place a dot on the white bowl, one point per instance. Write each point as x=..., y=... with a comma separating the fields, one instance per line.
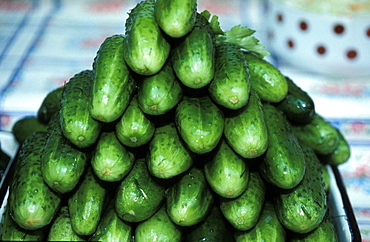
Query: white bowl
x=335, y=44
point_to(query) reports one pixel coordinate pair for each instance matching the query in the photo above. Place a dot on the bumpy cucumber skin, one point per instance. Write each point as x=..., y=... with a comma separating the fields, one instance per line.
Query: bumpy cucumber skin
x=134, y=128
x=324, y=232
x=189, y=200
x=226, y=172
x=303, y=208
x=75, y=119
x=168, y=155
x=112, y=228
x=87, y=203
x=298, y=106
x=146, y=48
x=176, y=17
x=62, y=163
x=200, y=123
x=32, y=203
x=111, y=161
x=268, y=227
x=159, y=93
x=25, y=126
x=112, y=86
x=159, y=227
x=267, y=80
x=139, y=195
x=231, y=84
x=243, y=212
x=340, y=155
x=50, y=105
x=245, y=129
x=193, y=56
x=61, y=228
x=283, y=164
x=319, y=134
x=11, y=231
x=214, y=227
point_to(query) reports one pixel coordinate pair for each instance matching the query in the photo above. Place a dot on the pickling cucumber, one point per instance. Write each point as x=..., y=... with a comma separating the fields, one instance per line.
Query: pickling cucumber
x=176, y=17
x=245, y=129
x=113, y=85
x=189, y=200
x=139, y=194
x=267, y=80
x=86, y=203
x=50, y=105
x=200, y=123
x=168, y=155
x=77, y=124
x=159, y=93
x=268, y=227
x=134, y=128
x=243, y=212
x=62, y=163
x=193, y=55
x=231, y=84
x=298, y=105
x=302, y=208
x=61, y=228
x=319, y=134
x=158, y=227
x=146, y=48
x=226, y=172
x=33, y=204
x=111, y=161
x=283, y=164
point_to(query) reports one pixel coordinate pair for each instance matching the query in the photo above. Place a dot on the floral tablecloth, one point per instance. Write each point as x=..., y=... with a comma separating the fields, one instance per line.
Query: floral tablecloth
x=45, y=42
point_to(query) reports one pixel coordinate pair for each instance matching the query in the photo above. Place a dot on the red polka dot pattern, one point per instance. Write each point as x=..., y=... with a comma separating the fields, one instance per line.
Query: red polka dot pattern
x=339, y=29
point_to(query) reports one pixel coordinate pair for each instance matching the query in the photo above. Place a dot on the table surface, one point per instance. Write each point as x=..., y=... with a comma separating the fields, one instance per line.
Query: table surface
x=43, y=43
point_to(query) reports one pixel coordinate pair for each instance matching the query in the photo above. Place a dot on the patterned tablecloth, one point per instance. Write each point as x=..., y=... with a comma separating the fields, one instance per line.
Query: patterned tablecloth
x=45, y=42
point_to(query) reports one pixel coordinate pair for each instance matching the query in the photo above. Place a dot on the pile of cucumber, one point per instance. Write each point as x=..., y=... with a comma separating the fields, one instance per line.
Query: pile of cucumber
x=180, y=131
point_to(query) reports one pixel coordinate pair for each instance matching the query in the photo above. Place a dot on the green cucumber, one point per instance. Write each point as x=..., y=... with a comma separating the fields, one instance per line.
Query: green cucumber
x=341, y=153
x=110, y=159
x=11, y=231
x=25, y=126
x=113, y=85
x=146, y=48
x=33, y=204
x=243, y=212
x=62, y=163
x=268, y=81
x=86, y=203
x=176, y=17
x=61, y=228
x=193, y=56
x=112, y=228
x=158, y=227
x=298, y=106
x=139, y=194
x=189, y=200
x=168, y=155
x=245, y=129
x=159, y=93
x=268, y=227
x=77, y=124
x=302, y=208
x=231, y=84
x=200, y=123
x=283, y=164
x=50, y=105
x=226, y=172
x=324, y=232
x=134, y=128
x=319, y=134
x=213, y=228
